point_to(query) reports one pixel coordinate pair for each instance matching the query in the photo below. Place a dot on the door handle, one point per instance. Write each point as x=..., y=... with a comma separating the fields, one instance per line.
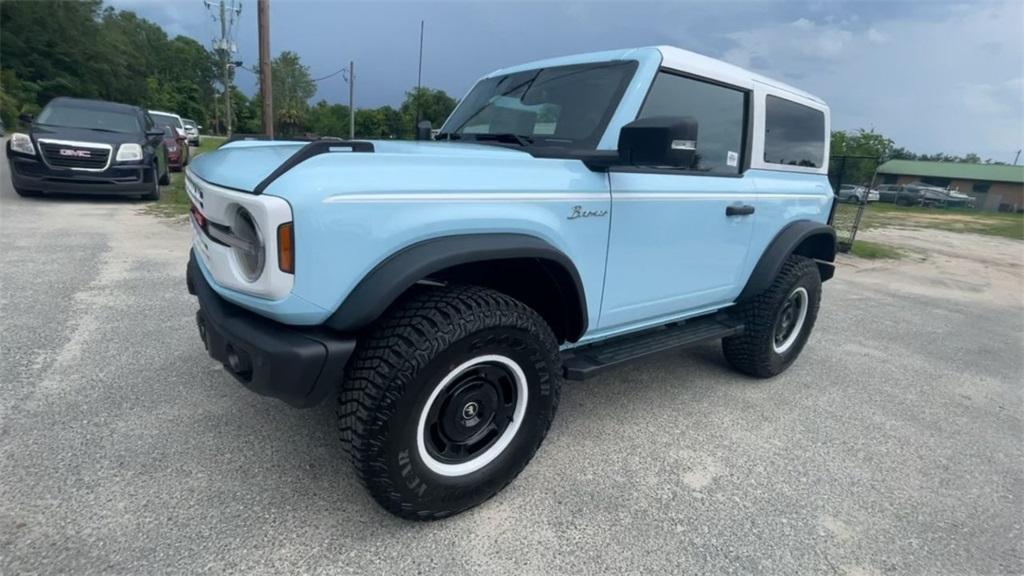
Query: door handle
x=739, y=210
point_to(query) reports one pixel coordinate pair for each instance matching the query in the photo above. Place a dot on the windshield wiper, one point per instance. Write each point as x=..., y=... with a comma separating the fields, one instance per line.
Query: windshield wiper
x=447, y=136
x=507, y=137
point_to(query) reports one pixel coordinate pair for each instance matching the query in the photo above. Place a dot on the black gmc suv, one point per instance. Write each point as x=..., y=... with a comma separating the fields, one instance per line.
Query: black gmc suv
x=80, y=146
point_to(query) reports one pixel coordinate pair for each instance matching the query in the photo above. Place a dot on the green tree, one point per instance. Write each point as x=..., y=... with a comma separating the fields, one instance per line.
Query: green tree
x=292, y=88
x=433, y=105
x=861, y=143
x=326, y=119
x=52, y=48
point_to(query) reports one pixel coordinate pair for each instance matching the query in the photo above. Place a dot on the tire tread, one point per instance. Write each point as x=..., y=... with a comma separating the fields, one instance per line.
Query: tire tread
x=403, y=341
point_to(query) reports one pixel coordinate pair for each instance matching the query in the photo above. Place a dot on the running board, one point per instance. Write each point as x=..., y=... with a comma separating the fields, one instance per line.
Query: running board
x=587, y=361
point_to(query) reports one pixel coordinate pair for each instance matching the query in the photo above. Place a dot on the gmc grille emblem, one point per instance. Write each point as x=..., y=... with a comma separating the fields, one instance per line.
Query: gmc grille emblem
x=75, y=153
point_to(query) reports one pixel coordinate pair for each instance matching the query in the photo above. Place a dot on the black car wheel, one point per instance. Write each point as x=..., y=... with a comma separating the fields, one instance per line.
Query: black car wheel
x=778, y=322
x=165, y=178
x=448, y=399
x=154, y=185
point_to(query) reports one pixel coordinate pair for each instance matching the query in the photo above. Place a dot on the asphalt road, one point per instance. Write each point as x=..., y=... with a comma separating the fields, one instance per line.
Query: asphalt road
x=893, y=446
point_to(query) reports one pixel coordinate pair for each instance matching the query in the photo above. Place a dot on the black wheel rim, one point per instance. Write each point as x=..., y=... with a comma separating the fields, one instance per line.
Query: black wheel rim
x=470, y=414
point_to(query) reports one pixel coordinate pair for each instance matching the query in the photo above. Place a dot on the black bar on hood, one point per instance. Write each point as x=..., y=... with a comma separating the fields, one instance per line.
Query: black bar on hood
x=314, y=148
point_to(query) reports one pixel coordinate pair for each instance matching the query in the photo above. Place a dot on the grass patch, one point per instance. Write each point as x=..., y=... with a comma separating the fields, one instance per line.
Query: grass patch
x=1002, y=224
x=874, y=250
x=173, y=199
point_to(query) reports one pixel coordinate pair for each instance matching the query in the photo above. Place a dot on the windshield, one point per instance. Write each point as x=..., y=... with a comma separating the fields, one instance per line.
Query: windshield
x=163, y=120
x=189, y=123
x=565, y=106
x=71, y=116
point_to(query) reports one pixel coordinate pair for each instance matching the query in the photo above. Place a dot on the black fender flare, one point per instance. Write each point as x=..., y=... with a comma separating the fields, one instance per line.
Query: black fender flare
x=398, y=272
x=794, y=236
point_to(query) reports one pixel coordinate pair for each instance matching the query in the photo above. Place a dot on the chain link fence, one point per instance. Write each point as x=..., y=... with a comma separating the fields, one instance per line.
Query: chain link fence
x=853, y=183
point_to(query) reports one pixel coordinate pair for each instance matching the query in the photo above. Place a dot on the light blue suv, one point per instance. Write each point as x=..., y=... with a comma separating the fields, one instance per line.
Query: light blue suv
x=573, y=214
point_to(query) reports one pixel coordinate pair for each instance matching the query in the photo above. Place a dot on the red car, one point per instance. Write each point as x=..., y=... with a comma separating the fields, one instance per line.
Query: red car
x=177, y=148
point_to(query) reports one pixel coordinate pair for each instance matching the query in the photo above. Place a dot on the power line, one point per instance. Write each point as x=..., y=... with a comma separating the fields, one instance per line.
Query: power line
x=332, y=74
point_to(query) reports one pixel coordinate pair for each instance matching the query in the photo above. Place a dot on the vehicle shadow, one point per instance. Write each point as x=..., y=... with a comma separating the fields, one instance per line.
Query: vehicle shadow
x=309, y=441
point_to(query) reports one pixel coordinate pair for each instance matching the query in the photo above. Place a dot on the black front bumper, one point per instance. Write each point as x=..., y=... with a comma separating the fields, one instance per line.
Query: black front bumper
x=33, y=174
x=294, y=364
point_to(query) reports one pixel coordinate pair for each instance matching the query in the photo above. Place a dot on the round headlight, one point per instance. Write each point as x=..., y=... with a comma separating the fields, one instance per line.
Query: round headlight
x=249, y=249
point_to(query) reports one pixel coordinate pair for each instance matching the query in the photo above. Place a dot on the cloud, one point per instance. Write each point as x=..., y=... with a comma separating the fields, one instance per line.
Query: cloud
x=876, y=36
x=947, y=79
x=798, y=45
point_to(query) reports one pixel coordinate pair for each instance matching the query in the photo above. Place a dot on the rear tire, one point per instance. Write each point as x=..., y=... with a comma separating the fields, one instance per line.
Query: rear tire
x=777, y=322
x=448, y=399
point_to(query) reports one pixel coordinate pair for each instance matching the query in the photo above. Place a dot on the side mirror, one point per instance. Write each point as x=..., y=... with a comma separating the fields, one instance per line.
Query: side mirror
x=25, y=118
x=423, y=130
x=659, y=141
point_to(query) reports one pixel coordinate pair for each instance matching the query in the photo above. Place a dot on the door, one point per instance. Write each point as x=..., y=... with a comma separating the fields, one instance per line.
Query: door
x=679, y=237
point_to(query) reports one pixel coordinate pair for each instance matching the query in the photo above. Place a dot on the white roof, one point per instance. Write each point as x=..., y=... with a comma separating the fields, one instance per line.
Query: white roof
x=687, y=61
x=671, y=57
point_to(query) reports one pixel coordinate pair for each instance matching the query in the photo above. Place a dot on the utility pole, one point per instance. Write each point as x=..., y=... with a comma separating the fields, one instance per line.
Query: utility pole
x=419, y=79
x=266, y=96
x=225, y=47
x=351, y=100
x=1016, y=158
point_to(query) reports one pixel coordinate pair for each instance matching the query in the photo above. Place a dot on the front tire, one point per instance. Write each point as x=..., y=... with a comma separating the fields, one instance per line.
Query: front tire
x=777, y=322
x=448, y=399
x=154, y=191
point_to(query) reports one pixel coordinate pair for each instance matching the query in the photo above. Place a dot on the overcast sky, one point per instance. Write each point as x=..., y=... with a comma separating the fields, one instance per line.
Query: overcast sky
x=934, y=76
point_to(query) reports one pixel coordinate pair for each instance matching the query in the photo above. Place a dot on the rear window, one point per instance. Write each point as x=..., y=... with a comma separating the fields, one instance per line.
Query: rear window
x=163, y=120
x=70, y=116
x=794, y=134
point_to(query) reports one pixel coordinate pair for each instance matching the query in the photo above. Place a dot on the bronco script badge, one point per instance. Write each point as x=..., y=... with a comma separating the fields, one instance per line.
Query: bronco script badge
x=579, y=212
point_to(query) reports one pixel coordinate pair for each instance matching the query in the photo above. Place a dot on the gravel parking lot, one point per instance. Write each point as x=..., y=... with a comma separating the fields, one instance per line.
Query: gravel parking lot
x=895, y=445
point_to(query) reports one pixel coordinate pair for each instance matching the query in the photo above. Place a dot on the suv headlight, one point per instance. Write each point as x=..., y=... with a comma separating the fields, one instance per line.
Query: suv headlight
x=22, y=143
x=129, y=153
x=248, y=248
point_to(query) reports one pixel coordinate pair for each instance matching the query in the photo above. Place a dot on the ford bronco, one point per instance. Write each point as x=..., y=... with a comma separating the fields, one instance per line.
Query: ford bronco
x=573, y=214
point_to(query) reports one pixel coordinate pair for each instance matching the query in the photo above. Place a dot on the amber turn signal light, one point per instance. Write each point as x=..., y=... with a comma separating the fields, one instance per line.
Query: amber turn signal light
x=286, y=248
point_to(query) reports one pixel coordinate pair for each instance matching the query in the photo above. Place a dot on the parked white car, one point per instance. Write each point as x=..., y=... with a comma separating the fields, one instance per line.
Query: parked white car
x=856, y=194
x=192, y=131
x=169, y=119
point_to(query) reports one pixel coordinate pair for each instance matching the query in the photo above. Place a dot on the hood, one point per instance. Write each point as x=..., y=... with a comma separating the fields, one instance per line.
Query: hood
x=84, y=134
x=242, y=165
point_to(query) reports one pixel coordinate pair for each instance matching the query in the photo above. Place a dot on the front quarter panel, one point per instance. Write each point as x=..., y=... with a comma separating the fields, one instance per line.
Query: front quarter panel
x=352, y=211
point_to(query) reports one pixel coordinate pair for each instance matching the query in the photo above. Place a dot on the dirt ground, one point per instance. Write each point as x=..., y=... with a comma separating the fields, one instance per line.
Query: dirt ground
x=892, y=446
x=953, y=265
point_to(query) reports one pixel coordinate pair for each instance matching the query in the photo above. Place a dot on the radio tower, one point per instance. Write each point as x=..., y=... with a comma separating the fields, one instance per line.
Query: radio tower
x=227, y=13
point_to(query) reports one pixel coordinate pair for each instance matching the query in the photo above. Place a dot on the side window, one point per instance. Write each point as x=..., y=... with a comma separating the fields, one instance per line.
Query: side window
x=718, y=110
x=794, y=134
